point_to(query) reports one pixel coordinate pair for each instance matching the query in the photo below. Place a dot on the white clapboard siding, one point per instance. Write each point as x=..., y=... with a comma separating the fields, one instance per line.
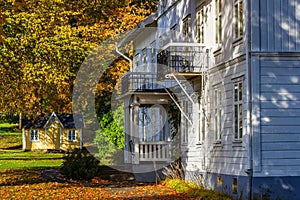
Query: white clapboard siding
x=280, y=114
x=275, y=25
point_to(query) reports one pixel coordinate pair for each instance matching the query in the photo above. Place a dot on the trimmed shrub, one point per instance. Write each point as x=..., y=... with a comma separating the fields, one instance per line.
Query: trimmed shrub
x=79, y=164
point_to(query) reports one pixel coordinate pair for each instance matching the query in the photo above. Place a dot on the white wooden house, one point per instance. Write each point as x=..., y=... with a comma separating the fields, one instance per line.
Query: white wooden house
x=232, y=67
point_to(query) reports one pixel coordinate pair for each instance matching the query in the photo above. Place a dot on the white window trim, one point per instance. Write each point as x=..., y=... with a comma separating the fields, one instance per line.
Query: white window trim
x=200, y=27
x=68, y=135
x=217, y=114
x=218, y=22
x=239, y=103
x=186, y=28
x=201, y=122
x=185, y=123
x=174, y=33
x=36, y=135
x=238, y=25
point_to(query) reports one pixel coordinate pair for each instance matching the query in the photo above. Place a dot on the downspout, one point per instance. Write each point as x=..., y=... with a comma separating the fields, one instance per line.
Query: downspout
x=130, y=111
x=249, y=170
x=123, y=55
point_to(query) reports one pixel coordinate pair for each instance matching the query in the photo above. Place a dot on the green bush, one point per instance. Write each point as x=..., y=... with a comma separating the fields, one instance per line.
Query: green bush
x=80, y=165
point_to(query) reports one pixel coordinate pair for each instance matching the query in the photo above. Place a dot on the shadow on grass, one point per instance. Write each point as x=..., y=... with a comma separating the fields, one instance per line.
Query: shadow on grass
x=30, y=158
x=12, y=129
x=17, y=147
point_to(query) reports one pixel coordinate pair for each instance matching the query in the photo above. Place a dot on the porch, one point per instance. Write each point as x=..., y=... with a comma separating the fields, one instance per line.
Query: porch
x=154, y=151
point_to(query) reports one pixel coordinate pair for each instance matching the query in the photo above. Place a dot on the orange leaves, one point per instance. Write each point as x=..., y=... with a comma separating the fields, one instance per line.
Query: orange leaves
x=28, y=184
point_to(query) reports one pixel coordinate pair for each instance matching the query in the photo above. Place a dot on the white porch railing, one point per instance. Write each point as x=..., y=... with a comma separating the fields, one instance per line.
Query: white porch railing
x=154, y=151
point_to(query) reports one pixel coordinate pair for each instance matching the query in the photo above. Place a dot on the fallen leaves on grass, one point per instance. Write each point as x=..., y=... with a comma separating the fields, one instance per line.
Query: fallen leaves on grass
x=28, y=184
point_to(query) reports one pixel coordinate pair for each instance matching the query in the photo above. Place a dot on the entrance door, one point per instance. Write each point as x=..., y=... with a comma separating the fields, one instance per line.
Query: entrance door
x=53, y=138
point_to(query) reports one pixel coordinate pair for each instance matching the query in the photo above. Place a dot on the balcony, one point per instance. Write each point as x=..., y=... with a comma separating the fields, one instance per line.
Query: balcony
x=154, y=151
x=140, y=82
x=183, y=58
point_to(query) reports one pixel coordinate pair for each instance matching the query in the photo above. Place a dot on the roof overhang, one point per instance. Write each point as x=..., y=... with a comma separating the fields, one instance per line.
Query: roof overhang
x=150, y=21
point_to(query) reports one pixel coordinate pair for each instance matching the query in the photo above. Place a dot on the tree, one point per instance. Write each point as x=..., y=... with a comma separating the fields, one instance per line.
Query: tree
x=45, y=42
x=110, y=138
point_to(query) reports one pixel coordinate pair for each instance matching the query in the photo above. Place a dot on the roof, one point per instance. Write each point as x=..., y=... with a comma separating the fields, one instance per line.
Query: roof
x=66, y=120
x=141, y=26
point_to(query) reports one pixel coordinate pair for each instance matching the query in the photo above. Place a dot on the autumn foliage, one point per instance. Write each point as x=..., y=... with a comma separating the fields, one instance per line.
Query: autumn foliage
x=29, y=184
x=43, y=44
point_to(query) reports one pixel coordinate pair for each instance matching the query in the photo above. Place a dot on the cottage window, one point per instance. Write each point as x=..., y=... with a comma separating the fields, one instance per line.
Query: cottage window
x=217, y=113
x=218, y=21
x=238, y=19
x=71, y=135
x=238, y=110
x=200, y=25
x=34, y=135
x=234, y=186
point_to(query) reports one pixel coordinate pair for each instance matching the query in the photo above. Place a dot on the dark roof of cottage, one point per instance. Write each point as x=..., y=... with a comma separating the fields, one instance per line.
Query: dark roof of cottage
x=66, y=120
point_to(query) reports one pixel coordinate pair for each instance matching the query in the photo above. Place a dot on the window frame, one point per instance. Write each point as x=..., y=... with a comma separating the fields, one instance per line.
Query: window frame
x=185, y=122
x=73, y=138
x=34, y=135
x=186, y=28
x=217, y=114
x=218, y=21
x=238, y=109
x=200, y=21
x=238, y=25
x=174, y=33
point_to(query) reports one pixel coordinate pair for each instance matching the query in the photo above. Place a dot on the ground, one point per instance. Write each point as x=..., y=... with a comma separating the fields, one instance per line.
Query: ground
x=50, y=184
x=36, y=175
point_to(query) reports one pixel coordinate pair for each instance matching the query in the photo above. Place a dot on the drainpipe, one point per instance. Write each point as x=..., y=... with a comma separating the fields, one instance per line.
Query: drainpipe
x=249, y=170
x=125, y=121
x=127, y=58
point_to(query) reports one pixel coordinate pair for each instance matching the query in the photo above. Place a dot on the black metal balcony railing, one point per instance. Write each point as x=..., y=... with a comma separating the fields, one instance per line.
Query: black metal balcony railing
x=140, y=82
x=182, y=57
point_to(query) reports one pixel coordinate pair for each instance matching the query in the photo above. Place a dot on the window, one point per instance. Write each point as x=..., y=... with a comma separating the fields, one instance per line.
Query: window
x=238, y=110
x=201, y=122
x=153, y=52
x=163, y=3
x=185, y=121
x=144, y=60
x=200, y=25
x=71, y=135
x=219, y=180
x=234, y=186
x=174, y=33
x=238, y=19
x=152, y=123
x=217, y=113
x=136, y=62
x=218, y=21
x=186, y=29
x=34, y=135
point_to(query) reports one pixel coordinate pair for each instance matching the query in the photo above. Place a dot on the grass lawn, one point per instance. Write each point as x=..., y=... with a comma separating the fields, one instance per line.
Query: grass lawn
x=12, y=156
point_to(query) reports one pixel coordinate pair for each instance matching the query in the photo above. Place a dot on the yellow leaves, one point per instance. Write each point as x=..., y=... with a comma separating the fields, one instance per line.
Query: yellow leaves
x=28, y=184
